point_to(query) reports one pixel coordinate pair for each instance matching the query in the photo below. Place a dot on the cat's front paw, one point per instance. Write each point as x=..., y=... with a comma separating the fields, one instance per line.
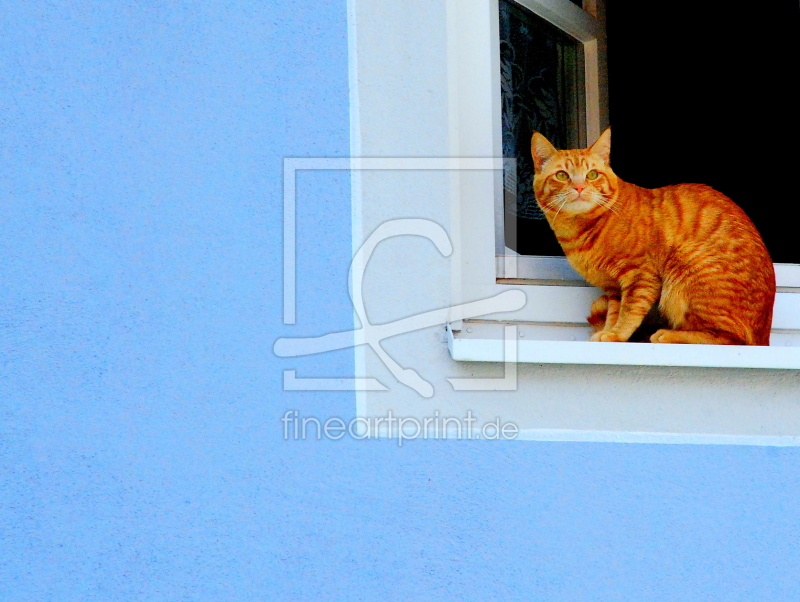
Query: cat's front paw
x=605, y=336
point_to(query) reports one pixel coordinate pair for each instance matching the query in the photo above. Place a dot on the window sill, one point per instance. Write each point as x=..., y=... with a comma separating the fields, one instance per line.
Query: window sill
x=561, y=344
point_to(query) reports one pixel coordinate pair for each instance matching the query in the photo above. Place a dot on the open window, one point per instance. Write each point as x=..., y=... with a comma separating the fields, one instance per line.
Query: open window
x=541, y=64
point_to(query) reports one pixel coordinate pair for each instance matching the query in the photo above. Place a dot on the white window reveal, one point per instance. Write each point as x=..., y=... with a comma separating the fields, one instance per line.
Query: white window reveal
x=426, y=84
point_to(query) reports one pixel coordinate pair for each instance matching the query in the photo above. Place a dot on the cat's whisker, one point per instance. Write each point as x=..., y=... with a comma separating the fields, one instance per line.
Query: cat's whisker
x=610, y=207
x=601, y=200
x=559, y=209
x=557, y=201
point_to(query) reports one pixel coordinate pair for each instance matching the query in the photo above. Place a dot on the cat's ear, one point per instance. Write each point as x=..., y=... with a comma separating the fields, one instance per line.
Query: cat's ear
x=602, y=148
x=541, y=151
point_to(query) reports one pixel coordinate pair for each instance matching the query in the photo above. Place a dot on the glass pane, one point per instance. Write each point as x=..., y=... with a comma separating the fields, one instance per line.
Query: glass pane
x=542, y=89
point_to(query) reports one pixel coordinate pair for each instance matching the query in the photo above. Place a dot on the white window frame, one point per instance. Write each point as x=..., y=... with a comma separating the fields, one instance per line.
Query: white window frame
x=587, y=27
x=475, y=129
x=558, y=299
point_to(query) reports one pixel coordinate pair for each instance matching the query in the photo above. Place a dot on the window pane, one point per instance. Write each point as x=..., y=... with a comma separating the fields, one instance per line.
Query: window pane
x=542, y=90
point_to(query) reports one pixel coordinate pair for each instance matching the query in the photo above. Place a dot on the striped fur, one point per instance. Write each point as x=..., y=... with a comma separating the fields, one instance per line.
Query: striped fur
x=687, y=249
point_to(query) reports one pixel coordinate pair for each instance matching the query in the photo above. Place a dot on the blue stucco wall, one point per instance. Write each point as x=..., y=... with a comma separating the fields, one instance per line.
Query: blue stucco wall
x=141, y=449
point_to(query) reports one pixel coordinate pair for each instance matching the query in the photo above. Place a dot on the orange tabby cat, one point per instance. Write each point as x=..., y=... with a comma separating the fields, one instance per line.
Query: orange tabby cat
x=688, y=248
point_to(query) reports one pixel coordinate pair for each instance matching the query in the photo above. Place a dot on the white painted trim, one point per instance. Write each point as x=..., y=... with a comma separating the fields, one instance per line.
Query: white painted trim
x=508, y=382
x=467, y=349
x=565, y=15
x=588, y=436
x=787, y=275
x=483, y=328
x=356, y=194
x=641, y=437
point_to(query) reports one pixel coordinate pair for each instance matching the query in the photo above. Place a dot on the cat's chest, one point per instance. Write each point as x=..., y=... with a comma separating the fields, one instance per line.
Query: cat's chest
x=592, y=270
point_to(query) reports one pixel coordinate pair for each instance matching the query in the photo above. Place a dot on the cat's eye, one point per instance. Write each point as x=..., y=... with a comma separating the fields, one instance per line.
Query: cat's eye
x=592, y=175
x=562, y=175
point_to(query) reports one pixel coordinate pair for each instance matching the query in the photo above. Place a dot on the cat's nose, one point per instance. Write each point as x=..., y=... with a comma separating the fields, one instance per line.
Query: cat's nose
x=579, y=187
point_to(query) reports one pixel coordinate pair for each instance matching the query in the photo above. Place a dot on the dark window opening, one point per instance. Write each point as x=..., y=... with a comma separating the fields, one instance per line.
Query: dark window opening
x=700, y=92
x=541, y=74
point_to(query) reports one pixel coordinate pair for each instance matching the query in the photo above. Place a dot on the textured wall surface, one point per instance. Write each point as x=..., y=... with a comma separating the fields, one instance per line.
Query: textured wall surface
x=141, y=449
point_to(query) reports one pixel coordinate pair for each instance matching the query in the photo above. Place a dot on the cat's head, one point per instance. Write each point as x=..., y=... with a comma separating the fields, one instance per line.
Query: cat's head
x=572, y=182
